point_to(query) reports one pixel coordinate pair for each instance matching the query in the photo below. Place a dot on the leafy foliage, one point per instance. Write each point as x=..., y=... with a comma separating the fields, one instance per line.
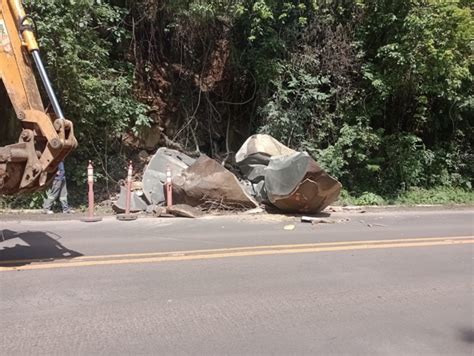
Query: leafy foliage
x=83, y=45
x=379, y=92
x=396, y=113
x=418, y=67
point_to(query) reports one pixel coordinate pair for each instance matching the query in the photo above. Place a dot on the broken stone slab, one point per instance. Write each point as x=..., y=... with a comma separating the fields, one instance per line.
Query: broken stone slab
x=255, y=173
x=185, y=211
x=296, y=183
x=136, y=203
x=259, y=192
x=154, y=176
x=153, y=188
x=208, y=181
x=256, y=190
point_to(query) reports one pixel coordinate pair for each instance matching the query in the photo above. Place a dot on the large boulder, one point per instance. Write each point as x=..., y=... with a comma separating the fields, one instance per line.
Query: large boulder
x=291, y=181
x=207, y=181
x=296, y=183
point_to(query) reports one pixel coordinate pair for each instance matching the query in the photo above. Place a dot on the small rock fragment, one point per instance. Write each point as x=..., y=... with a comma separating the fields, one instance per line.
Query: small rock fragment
x=308, y=219
x=184, y=210
x=372, y=225
x=289, y=227
x=352, y=208
x=156, y=210
x=314, y=221
x=254, y=211
x=136, y=185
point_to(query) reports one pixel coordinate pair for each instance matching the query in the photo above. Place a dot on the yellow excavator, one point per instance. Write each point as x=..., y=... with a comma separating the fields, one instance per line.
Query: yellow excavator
x=45, y=138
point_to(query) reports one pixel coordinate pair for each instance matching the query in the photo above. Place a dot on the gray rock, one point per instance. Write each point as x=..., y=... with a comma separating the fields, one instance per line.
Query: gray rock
x=289, y=180
x=296, y=183
x=154, y=176
x=136, y=203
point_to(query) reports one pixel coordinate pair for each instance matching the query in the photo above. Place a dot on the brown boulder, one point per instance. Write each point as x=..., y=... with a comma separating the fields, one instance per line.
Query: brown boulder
x=207, y=181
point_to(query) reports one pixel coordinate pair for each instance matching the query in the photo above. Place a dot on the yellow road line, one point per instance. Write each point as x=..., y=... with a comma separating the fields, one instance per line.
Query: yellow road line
x=246, y=248
x=238, y=252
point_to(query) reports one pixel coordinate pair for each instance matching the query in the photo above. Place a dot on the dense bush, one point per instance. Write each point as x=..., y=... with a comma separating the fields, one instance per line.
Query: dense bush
x=84, y=44
x=379, y=92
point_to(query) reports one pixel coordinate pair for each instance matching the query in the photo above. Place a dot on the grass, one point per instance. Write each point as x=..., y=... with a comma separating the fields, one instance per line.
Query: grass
x=439, y=195
x=414, y=196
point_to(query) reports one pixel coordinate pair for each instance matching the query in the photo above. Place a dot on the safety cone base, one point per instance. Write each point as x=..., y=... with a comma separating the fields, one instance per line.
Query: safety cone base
x=127, y=217
x=91, y=219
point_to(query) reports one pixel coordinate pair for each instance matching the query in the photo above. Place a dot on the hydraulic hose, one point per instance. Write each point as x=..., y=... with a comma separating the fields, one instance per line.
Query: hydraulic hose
x=47, y=84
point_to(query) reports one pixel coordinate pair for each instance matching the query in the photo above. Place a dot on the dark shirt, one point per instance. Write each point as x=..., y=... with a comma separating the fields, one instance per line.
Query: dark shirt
x=61, y=174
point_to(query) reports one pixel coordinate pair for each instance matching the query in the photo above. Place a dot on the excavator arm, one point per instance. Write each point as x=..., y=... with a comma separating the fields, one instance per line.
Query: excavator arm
x=46, y=139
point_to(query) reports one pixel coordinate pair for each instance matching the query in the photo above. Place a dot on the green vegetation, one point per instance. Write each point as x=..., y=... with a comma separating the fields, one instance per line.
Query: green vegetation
x=381, y=93
x=85, y=45
x=442, y=195
x=413, y=196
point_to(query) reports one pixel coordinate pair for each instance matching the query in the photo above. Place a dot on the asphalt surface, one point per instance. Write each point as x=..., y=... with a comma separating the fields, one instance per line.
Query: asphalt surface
x=133, y=288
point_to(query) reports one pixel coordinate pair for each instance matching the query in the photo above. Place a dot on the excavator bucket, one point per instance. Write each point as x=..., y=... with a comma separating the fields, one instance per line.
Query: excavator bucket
x=45, y=138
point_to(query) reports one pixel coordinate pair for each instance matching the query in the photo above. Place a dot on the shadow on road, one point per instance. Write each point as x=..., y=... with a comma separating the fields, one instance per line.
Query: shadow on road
x=467, y=335
x=37, y=245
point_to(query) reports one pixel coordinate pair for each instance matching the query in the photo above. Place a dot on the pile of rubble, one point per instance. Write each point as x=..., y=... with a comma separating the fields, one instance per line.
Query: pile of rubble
x=269, y=173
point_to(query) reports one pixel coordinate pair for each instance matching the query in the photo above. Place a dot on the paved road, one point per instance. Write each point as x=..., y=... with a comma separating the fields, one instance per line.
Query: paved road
x=381, y=283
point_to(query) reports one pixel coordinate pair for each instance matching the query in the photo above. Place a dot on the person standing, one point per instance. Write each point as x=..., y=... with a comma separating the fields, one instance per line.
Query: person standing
x=58, y=190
